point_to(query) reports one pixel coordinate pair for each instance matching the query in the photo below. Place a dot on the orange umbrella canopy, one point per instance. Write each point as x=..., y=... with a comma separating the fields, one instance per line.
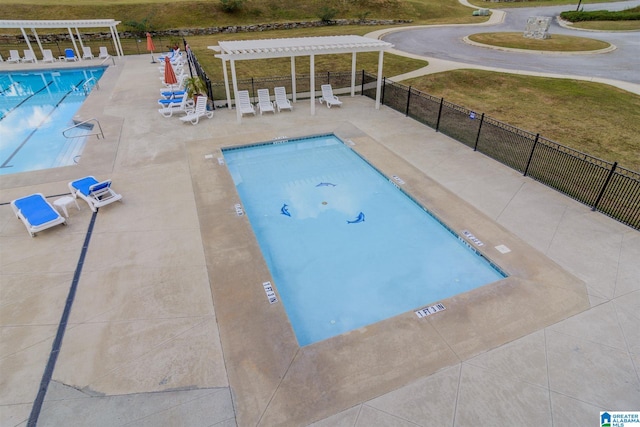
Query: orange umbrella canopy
x=150, y=47
x=169, y=74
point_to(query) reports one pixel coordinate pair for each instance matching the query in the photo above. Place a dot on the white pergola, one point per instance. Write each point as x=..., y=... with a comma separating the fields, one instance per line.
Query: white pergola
x=301, y=46
x=68, y=24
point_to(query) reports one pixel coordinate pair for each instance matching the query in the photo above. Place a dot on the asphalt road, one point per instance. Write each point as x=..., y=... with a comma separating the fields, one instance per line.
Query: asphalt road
x=446, y=42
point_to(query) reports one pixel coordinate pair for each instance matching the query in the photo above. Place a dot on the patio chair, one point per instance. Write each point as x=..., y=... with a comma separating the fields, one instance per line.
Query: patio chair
x=36, y=213
x=86, y=53
x=14, y=57
x=103, y=54
x=282, y=102
x=29, y=56
x=264, y=101
x=96, y=194
x=199, y=111
x=47, y=56
x=328, y=97
x=69, y=55
x=244, y=103
x=184, y=105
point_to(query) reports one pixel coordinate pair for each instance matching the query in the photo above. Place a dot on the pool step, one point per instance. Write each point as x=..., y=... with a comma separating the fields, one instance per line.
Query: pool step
x=73, y=146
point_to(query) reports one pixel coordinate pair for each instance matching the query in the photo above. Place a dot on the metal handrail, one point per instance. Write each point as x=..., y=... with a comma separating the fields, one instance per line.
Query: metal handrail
x=97, y=134
x=110, y=57
x=85, y=85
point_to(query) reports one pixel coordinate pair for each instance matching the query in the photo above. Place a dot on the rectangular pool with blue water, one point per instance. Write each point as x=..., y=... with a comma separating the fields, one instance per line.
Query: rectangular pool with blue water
x=345, y=246
x=35, y=108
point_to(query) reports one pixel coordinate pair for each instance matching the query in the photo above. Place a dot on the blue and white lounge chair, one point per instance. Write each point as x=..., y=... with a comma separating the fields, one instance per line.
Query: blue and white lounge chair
x=97, y=194
x=36, y=213
x=181, y=105
x=69, y=55
x=199, y=111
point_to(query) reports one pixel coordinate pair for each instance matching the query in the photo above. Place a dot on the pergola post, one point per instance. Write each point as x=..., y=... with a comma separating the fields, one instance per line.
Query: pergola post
x=293, y=77
x=226, y=82
x=235, y=90
x=379, y=82
x=26, y=38
x=312, y=83
x=353, y=74
x=35, y=34
x=73, y=41
x=81, y=44
x=116, y=41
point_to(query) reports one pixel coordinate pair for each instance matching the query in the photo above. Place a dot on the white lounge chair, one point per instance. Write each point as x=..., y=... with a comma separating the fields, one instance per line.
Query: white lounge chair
x=264, y=101
x=86, y=53
x=70, y=55
x=47, y=56
x=29, y=56
x=36, y=213
x=96, y=194
x=244, y=103
x=328, y=97
x=185, y=105
x=282, y=102
x=14, y=57
x=199, y=111
x=103, y=54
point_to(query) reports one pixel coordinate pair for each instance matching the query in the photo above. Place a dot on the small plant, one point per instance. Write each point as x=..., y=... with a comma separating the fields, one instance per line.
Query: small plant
x=194, y=86
x=231, y=6
x=326, y=14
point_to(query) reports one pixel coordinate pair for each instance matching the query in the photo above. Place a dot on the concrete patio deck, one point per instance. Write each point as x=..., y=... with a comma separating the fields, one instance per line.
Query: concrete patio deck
x=170, y=325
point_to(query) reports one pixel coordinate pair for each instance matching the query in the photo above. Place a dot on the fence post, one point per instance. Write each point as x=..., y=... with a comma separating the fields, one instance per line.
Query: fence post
x=253, y=89
x=526, y=169
x=475, y=146
x=384, y=85
x=439, y=114
x=362, y=83
x=604, y=187
x=408, y=98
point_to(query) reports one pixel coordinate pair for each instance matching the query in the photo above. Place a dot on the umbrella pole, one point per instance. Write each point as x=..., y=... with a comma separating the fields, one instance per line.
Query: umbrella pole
x=153, y=61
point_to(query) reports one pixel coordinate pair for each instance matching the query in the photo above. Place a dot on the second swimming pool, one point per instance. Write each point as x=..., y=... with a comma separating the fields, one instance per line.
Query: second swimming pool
x=35, y=107
x=345, y=246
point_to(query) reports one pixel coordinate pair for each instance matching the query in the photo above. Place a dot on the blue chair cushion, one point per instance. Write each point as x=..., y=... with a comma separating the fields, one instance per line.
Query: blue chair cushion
x=83, y=185
x=36, y=210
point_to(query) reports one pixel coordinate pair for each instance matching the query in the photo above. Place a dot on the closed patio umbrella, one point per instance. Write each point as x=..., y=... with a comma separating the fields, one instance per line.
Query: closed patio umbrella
x=150, y=47
x=169, y=75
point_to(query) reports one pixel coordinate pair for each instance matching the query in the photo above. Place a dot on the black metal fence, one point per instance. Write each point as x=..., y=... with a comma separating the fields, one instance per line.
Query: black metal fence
x=604, y=186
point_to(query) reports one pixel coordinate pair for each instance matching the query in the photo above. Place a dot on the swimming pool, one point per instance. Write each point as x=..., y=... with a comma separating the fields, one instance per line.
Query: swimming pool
x=35, y=107
x=345, y=246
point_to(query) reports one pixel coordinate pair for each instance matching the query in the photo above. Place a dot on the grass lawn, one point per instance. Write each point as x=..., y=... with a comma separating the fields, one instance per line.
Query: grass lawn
x=590, y=117
x=556, y=43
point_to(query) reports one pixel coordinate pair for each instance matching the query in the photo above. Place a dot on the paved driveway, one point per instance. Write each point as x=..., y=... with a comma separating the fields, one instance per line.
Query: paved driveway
x=446, y=42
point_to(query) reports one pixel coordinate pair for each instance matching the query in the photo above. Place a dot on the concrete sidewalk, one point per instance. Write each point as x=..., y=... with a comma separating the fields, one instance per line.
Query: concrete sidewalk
x=160, y=334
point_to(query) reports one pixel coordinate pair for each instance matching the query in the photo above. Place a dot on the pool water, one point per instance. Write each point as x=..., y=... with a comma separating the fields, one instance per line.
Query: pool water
x=345, y=246
x=35, y=107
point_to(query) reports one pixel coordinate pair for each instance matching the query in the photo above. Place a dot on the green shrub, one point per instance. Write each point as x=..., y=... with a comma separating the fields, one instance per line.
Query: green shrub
x=632, y=14
x=326, y=14
x=231, y=6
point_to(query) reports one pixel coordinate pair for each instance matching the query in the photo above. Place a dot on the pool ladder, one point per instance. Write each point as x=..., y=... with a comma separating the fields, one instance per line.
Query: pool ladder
x=86, y=86
x=85, y=125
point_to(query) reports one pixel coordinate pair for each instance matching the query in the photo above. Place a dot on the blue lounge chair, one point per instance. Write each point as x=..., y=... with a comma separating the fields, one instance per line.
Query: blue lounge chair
x=69, y=55
x=36, y=213
x=95, y=193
